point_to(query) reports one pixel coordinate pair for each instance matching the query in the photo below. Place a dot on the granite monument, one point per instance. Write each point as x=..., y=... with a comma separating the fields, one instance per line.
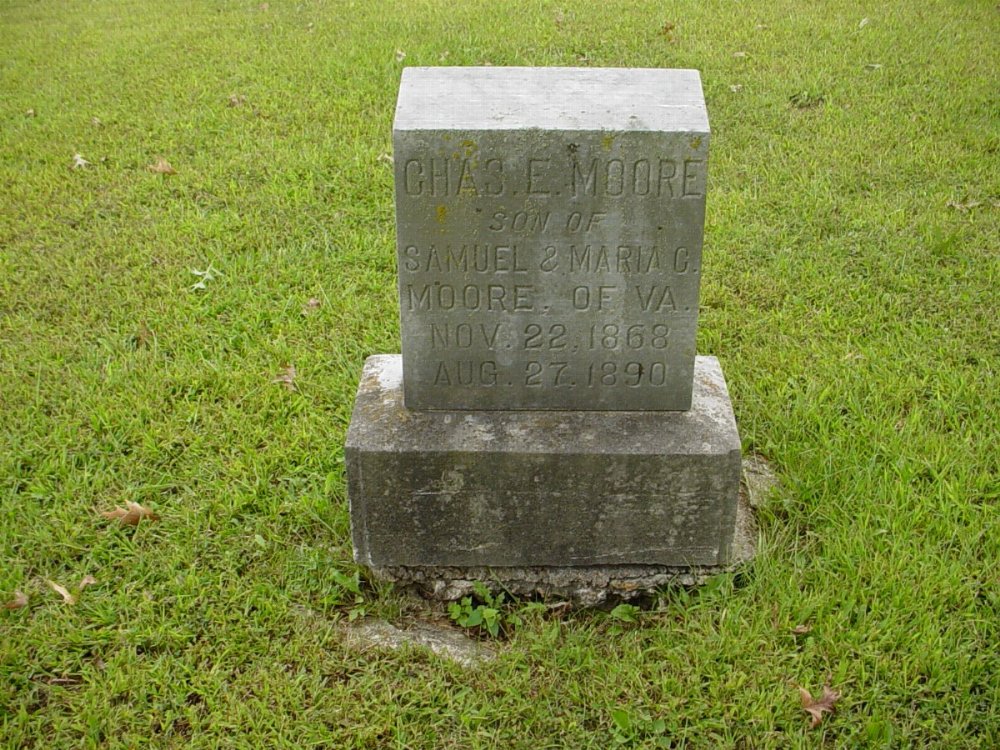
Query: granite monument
x=548, y=418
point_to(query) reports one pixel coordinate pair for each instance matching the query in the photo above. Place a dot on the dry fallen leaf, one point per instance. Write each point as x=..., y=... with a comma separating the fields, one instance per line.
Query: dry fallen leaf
x=79, y=162
x=161, y=166
x=668, y=29
x=87, y=581
x=20, y=600
x=29, y=113
x=873, y=66
x=736, y=88
x=864, y=22
x=61, y=590
x=130, y=515
x=237, y=100
x=63, y=681
x=385, y=158
x=816, y=708
x=143, y=337
x=802, y=629
x=287, y=377
x=400, y=55
x=96, y=122
x=311, y=304
x=739, y=54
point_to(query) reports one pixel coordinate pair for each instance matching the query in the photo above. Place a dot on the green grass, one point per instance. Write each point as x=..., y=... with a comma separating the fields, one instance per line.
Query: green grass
x=855, y=312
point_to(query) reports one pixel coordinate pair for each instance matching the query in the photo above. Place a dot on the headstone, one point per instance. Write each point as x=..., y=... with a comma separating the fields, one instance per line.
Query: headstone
x=548, y=412
x=549, y=232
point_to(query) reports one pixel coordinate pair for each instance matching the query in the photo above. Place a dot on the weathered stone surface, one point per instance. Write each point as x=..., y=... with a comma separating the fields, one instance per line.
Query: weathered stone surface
x=549, y=231
x=526, y=489
x=442, y=641
x=585, y=586
x=759, y=480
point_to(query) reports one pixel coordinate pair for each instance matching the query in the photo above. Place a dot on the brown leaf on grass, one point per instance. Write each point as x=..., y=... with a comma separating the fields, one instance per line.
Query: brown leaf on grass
x=87, y=581
x=61, y=590
x=29, y=113
x=142, y=338
x=400, y=55
x=161, y=166
x=96, y=122
x=20, y=600
x=668, y=30
x=311, y=304
x=62, y=680
x=79, y=162
x=802, y=629
x=130, y=515
x=287, y=377
x=816, y=708
x=237, y=100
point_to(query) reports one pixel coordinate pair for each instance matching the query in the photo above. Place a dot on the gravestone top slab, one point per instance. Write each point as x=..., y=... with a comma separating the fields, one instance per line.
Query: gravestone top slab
x=491, y=98
x=549, y=235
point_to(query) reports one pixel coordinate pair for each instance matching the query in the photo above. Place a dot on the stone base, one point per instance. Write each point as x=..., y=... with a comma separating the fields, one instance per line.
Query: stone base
x=583, y=586
x=562, y=502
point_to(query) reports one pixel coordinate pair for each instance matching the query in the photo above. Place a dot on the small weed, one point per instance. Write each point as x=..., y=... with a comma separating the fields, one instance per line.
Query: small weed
x=806, y=99
x=487, y=615
x=636, y=729
x=350, y=589
x=626, y=613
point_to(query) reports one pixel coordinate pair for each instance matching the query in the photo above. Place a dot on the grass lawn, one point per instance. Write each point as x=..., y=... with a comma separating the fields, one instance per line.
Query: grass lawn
x=852, y=269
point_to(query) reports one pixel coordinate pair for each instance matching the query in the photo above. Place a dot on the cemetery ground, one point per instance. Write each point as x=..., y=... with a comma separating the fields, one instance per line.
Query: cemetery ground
x=197, y=253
